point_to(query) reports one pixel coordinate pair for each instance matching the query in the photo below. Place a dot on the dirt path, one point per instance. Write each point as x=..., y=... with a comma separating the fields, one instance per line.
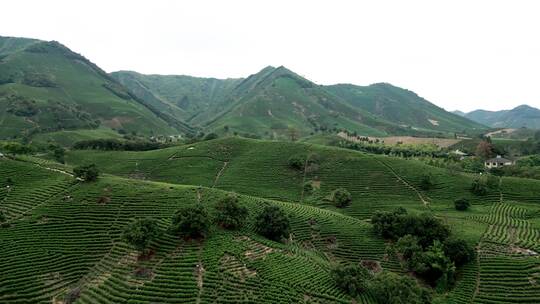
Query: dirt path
x=424, y=200
x=220, y=173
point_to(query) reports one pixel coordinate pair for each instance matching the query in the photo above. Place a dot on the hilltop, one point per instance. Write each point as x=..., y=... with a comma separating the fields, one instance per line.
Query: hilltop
x=523, y=116
x=275, y=100
x=46, y=87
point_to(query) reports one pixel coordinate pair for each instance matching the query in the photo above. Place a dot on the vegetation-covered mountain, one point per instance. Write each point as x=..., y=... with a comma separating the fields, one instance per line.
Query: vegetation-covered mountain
x=183, y=96
x=46, y=87
x=276, y=100
x=519, y=117
x=403, y=107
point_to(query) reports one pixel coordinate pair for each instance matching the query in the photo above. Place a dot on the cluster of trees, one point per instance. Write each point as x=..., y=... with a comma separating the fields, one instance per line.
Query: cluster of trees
x=405, y=151
x=484, y=183
x=424, y=244
x=117, y=145
x=195, y=222
x=88, y=173
x=386, y=287
x=16, y=148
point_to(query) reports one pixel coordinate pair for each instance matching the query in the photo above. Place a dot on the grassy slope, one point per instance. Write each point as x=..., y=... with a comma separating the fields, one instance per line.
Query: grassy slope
x=402, y=107
x=75, y=99
x=185, y=96
x=498, y=222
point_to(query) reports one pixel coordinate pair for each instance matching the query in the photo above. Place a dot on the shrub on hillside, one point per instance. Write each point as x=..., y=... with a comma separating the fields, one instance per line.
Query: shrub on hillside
x=427, y=182
x=297, y=162
x=273, y=223
x=390, y=288
x=479, y=187
x=352, y=279
x=140, y=233
x=341, y=197
x=459, y=251
x=462, y=204
x=88, y=173
x=230, y=214
x=191, y=222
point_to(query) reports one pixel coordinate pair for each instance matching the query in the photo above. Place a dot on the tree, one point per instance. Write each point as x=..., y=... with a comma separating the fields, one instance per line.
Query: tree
x=341, y=197
x=2, y=216
x=273, y=223
x=390, y=288
x=140, y=233
x=88, y=173
x=192, y=222
x=230, y=214
x=479, y=187
x=297, y=162
x=426, y=182
x=352, y=279
x=293, y=134
x=462, y=204
x=435, y=267
x=459, y=251
x=484, y=149
x=59, y=154
x=408, y=247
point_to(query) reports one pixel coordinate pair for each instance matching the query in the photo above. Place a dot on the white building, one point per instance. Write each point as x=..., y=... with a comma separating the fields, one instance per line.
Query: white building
x=498, y=161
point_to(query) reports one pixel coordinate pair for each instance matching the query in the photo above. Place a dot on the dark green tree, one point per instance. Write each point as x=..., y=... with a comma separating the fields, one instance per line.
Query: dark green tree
x=435, y=267
x=459, y=251
x=297, y=162
x=352, y=279
x=230, y=214
x=390, y=288
x=191, y=222
x=479, y=187
x=140, y=233
x=59, y=154
x=341, y=197
x=273, y=223
x=462, y=204
x=88, y=173
x=427, y=182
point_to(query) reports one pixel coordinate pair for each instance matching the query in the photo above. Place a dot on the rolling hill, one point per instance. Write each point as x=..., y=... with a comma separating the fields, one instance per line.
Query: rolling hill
x=64, y=236
x=45, y=87
x=403, y=107
x=522, y=116
x=274, y=100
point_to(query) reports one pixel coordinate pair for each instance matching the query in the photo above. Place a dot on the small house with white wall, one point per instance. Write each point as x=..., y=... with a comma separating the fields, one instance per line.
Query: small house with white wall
x=497, y=162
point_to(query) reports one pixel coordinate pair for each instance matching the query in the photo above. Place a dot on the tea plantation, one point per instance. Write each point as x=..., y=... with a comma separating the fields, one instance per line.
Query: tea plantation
x=62, y=240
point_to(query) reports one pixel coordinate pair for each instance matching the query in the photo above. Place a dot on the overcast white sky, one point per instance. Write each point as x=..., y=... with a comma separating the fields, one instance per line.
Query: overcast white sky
x=458, y=54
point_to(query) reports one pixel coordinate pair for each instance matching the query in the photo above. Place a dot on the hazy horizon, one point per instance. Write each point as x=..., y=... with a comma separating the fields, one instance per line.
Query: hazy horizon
x=460, y=55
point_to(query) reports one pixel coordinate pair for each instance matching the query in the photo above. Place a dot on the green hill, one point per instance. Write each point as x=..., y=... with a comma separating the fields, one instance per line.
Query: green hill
x=45, y=87
x=520, y=117
x=65, y=236
x=403, y=107
x=185, y=97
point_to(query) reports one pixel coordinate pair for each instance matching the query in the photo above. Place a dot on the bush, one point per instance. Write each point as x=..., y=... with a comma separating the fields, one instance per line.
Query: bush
x=230, y=214
x=459, y=251
x=88, y=172
x=140, y=233
x=435, y=267
x=273, y=223
x=462, y=204
x=191, y=222
x=341, y=197
x=297, y=162
x=391, y=288
x=352, y=279
x=3, y=217
x=479, y=187
x=427, y=182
